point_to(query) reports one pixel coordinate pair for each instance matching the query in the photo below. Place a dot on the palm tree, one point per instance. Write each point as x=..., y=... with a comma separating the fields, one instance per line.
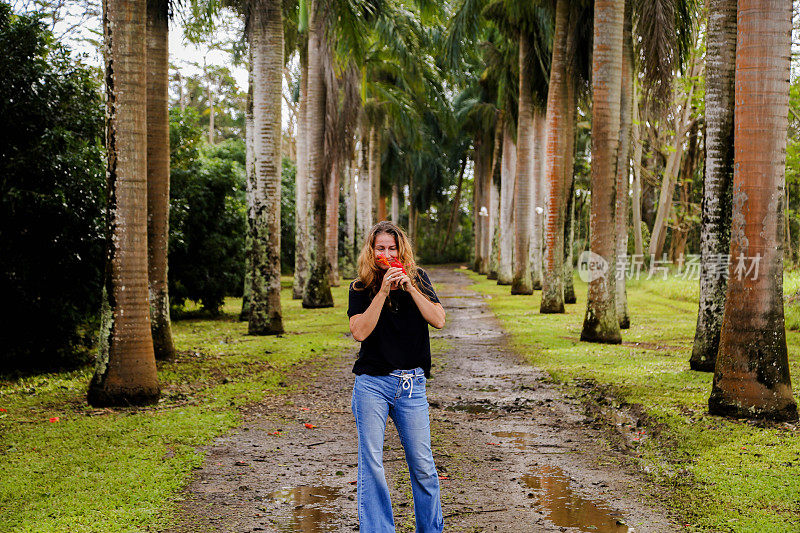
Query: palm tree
x=601, y=323
x=751, y=378
x=715, y=228
x=265, y=35
x=126, y=367
x=317, y=290
x=507, y=176
x=623, y=166
x=301, y=265
x=158, y=176
x=559, y=128
x=525, y=182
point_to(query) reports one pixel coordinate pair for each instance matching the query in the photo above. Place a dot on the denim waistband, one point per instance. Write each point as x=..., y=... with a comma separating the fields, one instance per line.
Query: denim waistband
x=408, y=378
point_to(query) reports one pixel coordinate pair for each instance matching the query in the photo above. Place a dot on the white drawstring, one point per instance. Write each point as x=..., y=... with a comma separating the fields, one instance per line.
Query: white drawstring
x=408, y=382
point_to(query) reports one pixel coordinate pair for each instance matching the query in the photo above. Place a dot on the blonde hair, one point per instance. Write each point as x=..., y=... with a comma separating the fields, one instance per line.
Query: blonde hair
x=369, y=274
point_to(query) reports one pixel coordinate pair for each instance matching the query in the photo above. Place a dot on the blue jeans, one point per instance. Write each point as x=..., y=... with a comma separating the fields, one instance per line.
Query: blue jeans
x=401, y=396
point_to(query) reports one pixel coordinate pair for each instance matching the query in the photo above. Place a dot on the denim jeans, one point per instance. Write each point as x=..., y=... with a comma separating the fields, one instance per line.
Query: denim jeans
x=401, y=396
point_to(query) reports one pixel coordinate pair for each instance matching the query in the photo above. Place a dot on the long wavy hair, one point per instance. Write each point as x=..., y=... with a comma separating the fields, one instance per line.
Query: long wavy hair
x=370, y=275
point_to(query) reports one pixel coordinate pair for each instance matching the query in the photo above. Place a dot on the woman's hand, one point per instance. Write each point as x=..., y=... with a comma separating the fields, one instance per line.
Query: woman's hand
x=390, y=280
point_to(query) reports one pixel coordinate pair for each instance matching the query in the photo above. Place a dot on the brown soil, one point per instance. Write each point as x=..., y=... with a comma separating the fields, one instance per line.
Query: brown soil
x=514, y=452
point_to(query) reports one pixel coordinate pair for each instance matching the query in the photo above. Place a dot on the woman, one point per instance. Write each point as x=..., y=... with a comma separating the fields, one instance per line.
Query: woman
x=389, y=314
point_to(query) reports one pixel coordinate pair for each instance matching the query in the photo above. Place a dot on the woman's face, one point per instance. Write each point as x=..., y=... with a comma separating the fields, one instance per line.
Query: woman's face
x=385, y=244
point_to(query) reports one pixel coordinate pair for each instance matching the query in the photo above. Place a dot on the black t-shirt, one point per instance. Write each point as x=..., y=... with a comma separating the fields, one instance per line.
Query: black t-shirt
x=400, y=338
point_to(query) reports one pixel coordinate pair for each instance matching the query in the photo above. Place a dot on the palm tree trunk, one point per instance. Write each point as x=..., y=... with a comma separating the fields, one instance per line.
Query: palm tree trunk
x=494, y=225
x=250, y=180
x=537, y=201
x=364, y=211
x=601, y=323
x=624, y=168
x=332, y=225
x=477, y=195
x=508, y=167
x=265, y=32
x=557, y=138
x=521, y=282
x=301, y=266
x=349, y=198
x=715, y=230
x=487, y=230
x=375, y=171
x=125, y=373
x=158, y=176
x=636, y=198
x=751, y=378
x=569, y=238
x=395, y=203
x=317, y=291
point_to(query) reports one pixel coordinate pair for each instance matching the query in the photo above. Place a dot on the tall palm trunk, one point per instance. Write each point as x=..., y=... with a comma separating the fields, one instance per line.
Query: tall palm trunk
x=601, y=323
x=126, y=366
x=494, y=225
x=332, y=224
x=250, y=180
x=265, y=32
x=364, y=217
x=493, y=152
x=508, y=169
x=636, y=197
x=521, y=282
x=538, y=193
x=624, y=167
x=317, y=292
x=301, y=266
x=395, y=203
x=158, y=176
x=349, y=198
x=477, y=189
x=558, y=124
x=569, y=238
x=375, y=171
x=751, y=378
x=412, y=212
x=715, y=233
x=493, y=194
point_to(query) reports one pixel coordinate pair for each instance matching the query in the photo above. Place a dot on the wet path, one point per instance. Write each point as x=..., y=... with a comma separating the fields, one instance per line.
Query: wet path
x=513, y=453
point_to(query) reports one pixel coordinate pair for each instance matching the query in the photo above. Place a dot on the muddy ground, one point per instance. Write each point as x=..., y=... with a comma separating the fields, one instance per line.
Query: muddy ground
x=514, y=453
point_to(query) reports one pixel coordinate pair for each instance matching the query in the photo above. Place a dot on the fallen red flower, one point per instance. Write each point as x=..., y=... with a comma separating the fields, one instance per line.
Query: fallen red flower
x=54, y=419
x=310, y=426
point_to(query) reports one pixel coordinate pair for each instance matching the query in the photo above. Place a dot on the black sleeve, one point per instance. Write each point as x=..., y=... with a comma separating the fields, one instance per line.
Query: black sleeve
x=358, y=300
x=425, y=286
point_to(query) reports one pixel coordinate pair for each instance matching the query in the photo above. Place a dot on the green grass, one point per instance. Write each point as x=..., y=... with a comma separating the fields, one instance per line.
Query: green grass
x=119, y=470
x=719, y=474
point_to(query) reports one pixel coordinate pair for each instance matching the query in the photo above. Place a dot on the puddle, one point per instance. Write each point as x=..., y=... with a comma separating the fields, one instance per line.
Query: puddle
x=522, y=440
x=564, y=508
x=473, y=408
x=310, y=508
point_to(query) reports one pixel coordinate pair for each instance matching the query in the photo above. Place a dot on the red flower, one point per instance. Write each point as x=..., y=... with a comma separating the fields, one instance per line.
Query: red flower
x=54, y=419
x=310, y=426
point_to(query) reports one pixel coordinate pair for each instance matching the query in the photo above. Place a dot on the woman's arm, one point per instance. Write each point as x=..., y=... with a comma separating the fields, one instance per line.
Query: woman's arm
x=361, y=325
x=431, y=311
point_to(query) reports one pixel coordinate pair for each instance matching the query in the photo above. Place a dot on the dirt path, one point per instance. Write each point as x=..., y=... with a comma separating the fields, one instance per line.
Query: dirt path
x=516, y=454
